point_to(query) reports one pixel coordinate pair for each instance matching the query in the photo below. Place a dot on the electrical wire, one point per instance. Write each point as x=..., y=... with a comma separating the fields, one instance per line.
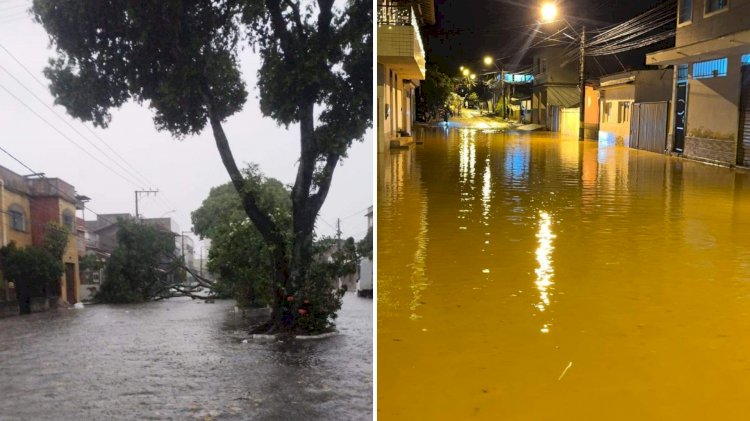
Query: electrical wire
x=135, y=171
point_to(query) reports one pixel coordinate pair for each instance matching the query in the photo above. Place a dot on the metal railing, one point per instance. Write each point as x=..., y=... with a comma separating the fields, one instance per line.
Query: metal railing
x=395, y=15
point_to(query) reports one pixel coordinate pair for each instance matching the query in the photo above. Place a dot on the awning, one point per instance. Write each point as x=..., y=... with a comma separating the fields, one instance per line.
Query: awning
x=732, y=44
x=564, y=96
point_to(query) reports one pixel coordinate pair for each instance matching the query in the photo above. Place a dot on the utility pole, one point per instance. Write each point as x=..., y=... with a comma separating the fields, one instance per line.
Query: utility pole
x=502, y=90
x=338, y=242
x=140, y=192
x=582, y=83
x=338, y=233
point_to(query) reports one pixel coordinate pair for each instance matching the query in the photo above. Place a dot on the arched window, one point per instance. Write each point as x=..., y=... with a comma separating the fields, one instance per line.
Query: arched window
x=17, y=218
x=68, y=219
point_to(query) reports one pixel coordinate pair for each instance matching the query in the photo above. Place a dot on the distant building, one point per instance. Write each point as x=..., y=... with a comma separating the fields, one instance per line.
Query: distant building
x=554, y=88
x=711, y=81
x=28, y=204
x=401, y=65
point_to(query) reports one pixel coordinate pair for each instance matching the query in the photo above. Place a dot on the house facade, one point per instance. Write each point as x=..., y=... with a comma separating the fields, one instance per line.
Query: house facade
x=28, y=205
x=711, y=81
x=554, y=87
x=401, y=64
x=618, y=95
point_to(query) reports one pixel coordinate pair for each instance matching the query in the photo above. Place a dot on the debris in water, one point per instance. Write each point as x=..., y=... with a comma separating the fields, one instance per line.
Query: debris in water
x=565, y=371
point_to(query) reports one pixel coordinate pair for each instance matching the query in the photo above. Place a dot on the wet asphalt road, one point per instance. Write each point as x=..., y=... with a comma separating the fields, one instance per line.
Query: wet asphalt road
x=180, y=359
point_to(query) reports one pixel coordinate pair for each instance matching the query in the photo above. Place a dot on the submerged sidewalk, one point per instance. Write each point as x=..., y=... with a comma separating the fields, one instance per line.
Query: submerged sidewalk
x=472, y=119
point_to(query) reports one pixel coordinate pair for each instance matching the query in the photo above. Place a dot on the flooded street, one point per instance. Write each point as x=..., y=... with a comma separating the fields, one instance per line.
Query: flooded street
x=178, y=359
x=528, y=277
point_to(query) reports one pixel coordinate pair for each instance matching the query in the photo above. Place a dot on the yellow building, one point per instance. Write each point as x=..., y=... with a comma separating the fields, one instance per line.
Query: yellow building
x=27, y=206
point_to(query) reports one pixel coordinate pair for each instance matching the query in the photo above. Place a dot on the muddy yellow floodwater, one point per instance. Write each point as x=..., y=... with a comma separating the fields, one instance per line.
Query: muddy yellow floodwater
x=528, y=277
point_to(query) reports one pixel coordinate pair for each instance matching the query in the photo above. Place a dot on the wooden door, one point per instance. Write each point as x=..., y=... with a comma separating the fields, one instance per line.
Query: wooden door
x=70, y=283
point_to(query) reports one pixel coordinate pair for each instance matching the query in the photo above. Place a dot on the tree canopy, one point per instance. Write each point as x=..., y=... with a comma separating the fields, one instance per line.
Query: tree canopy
x=139, y=269
x=435, y=91
x=32, y=269
x=238, y=255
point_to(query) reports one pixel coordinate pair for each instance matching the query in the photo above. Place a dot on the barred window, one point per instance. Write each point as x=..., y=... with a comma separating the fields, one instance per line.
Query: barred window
x=69, y=220
x=17, y=218
x=710, y=68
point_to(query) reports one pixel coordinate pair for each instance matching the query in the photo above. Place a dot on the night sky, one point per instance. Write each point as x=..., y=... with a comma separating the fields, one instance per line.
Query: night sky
x=468, y=30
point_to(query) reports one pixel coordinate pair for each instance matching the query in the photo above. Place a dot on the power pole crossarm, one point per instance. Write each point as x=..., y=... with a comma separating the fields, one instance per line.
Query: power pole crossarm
x=137, y=194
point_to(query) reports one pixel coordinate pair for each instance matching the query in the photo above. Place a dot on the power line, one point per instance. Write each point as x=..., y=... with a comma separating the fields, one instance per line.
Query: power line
x=134, y=178
x=66, y=137
x=102, y=141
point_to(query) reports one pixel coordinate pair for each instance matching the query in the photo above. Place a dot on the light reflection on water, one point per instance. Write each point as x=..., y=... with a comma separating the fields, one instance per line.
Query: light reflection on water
x=502, y=258
x=545, y=271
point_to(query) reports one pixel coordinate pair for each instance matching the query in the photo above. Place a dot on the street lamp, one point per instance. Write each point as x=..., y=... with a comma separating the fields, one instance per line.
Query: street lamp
x=489, y=60
x=473, y=76
x=549, y=11
x=465, y=71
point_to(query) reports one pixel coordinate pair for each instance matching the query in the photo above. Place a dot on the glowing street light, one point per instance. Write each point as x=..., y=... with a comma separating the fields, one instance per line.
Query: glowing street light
x=549, y=12
x=473, y=76
x=465, y=72
x=462, y=68
x=488, y=60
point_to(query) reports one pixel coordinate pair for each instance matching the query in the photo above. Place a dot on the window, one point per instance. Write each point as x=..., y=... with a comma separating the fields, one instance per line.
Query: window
x=17, y=218
x=715, y=5
x=623, y=112
x=710, y=68
x=68, y=220
x=607, y=111
x=682, y=72
x=745, y=59
x=686, y=11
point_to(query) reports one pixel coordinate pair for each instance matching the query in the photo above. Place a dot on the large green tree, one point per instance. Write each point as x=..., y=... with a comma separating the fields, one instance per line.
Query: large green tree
x=434, y=93
x=181, y=58
x=238, y=256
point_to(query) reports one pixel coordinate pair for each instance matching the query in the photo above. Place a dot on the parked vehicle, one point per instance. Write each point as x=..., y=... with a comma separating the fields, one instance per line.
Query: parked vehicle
x=364, y=278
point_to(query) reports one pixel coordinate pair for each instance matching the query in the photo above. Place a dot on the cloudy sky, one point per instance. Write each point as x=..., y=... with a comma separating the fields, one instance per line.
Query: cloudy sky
x=183, y=171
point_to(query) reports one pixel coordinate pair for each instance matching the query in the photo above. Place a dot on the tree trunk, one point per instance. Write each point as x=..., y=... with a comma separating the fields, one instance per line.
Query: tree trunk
x=260, y=220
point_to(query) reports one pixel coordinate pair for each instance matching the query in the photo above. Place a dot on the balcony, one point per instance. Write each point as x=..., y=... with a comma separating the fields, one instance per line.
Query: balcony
x=399, y=42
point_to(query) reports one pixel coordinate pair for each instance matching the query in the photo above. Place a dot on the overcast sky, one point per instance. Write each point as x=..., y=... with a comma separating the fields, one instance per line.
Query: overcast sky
x=183, y=171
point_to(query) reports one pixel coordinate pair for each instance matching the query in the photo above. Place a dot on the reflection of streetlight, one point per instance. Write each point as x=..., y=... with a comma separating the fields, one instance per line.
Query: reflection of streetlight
x=549, y=11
